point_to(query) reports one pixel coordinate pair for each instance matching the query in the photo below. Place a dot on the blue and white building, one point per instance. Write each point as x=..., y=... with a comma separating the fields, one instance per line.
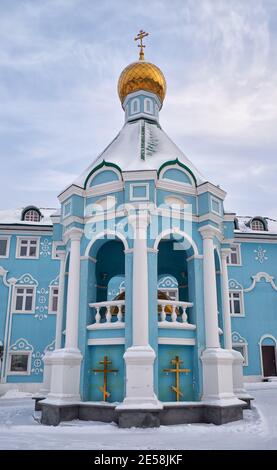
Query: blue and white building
x=141, y=267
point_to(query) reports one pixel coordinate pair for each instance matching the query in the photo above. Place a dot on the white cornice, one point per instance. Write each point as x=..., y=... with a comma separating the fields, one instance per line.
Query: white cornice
x=139, y=93
x=103, y=189
x=210, y=216
x=73, y=189
x=105, y=341
x=255, y=240
x=229, y=217
x=175, y=187
x=211, y=188
x=139, y=175
x=71, y=219
x=177, y=341
x=19, y=231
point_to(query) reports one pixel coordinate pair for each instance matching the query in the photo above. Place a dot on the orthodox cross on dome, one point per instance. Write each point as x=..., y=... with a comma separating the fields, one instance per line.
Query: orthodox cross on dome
x=105, y=372
x=142, y=34
x=176, y=362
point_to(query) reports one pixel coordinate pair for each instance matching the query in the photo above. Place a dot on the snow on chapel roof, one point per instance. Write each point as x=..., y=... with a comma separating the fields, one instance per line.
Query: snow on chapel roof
x=140, y=145
x=14, y=216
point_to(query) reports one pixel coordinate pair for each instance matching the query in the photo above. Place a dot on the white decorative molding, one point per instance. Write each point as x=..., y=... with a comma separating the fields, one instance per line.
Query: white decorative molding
x=237, y=338
x=209, y=187
x=50, y=347
x=27, y=280
x=235, y=285
x=139, y=175
x=177, y=341
x=104, y=233
x=73, y=189
x=105, y=341
x=239, y=341
x=258, y=277
x=173, y=231
x=172, y=186
x=104, y=189
x=45, y=248
x=260, y=254
x=176, y=166
x=21, y=345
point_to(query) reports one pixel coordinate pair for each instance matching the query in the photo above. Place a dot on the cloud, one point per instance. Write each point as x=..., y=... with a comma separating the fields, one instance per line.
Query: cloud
x=59, y=64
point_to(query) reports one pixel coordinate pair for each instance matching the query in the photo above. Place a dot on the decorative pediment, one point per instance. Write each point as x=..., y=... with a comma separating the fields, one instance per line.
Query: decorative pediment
x=234, y=285
x=27, y=279
x=237, y=338
x=21, y=345
x=258, y=278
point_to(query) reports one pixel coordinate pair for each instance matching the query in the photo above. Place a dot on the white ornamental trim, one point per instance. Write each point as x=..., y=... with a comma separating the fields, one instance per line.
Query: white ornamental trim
x=258, y=277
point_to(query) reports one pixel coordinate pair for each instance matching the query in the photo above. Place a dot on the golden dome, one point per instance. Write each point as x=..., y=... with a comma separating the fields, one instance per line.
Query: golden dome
x=141, y=75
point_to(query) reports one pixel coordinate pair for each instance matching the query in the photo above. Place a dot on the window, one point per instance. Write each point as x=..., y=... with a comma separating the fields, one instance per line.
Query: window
x=135, y=106
x=4, y=247
x=67, y=209
x=53, y=299
x=24, y=299
x=31, y=215
x=236, y=305
x=216, y=206
x=27, y=248
x=139, y=192
x=19, y=362
x=257, y=224
x=173, y=294
x=234, y=257
x=148, y=106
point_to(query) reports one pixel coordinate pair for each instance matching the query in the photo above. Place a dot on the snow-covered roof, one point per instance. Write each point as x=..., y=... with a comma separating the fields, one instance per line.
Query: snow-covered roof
x=13, y=216
x=140, y=145
x=245, y=226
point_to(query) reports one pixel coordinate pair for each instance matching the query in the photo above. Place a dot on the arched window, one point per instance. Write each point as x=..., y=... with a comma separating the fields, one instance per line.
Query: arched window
x=257, y=224
x=31, y=215
x=135, y=106
x=148, y=106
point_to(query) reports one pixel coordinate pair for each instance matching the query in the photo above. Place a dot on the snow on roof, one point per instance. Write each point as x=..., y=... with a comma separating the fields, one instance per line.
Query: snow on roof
x=13, y=216
x=244, y=225
x=140, y=145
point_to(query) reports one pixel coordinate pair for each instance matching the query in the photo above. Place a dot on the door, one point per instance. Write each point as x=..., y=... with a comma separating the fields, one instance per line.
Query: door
x=269, y=361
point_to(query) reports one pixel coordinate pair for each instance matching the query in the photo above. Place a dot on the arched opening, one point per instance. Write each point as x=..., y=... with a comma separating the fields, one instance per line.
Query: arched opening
x=176, y=318
x=268, y=356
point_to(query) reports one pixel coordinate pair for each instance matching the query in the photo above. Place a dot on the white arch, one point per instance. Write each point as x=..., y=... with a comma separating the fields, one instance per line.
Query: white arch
x=173, y=231
x=267, y=335
x=102, y=235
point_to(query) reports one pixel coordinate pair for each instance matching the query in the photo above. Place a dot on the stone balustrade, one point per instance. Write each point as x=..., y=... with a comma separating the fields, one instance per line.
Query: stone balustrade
x=108, y=314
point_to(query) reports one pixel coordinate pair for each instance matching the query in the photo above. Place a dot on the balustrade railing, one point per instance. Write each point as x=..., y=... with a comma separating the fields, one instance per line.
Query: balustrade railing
x=108, y=313
x=173, y=311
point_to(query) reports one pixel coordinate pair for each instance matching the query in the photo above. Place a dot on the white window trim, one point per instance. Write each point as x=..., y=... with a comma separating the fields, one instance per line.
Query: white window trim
x=70, y=211
x=8, y=238
x=18, y=240
x=238, y=247
x=263, y=337
x=132, y=111
x=20, y=353
x=245, y=351
x=19, y=286
x=50, y=311
x=139, y=198
x=214, y=199
x=242, y=313
x=145, y=101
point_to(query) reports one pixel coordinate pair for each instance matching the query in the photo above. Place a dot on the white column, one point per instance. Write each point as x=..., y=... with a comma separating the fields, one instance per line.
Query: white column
x=237, y=367
x=225, y=298
x=217, y=362
x=73, y=291
x=66, y=363
x=139, y=358
x=210, y=294
x=59, y=317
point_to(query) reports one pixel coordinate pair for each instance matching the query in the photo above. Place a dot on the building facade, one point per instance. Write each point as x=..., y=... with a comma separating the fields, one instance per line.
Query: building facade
x=141, y=292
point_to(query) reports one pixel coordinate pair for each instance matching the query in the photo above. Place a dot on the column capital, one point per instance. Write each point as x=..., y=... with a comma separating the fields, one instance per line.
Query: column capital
x=74, y=234
x=208, y=231
x=139, y=223
x=61, y=254
x=225, y=252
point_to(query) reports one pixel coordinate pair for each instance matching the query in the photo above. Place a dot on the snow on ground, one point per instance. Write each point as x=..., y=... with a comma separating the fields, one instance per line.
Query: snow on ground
x=258, y=430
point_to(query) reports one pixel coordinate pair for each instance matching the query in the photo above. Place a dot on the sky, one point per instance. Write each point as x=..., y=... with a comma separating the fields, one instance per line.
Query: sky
x=59, y=65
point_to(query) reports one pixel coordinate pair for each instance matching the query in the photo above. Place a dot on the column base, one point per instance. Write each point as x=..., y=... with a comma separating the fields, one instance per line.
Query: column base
x=140, y=394
x=238, y=384
x=65, y=376
x=47, y=372
x=218, y=377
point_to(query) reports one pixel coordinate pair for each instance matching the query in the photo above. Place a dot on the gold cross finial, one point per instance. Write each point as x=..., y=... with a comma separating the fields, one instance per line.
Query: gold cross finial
x=105, y=372
x=142, y=34
x=177, y=371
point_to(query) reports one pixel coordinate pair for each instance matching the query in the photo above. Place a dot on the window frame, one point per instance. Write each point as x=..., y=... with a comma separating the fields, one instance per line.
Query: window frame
x=241, y=300
x=50, y=302
x=244, y=347
x=19, y=286
x=238, y=253
x=147, y=101
x=28, y=238
x=219, y=202
x=20, y=353
x=8, y=240
x=258, y=221
x=34, y=211
x=139, y=198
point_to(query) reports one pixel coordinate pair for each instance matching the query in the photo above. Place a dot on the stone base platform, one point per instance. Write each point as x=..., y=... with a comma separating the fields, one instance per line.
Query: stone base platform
x=247, y=401
x=172, y=413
